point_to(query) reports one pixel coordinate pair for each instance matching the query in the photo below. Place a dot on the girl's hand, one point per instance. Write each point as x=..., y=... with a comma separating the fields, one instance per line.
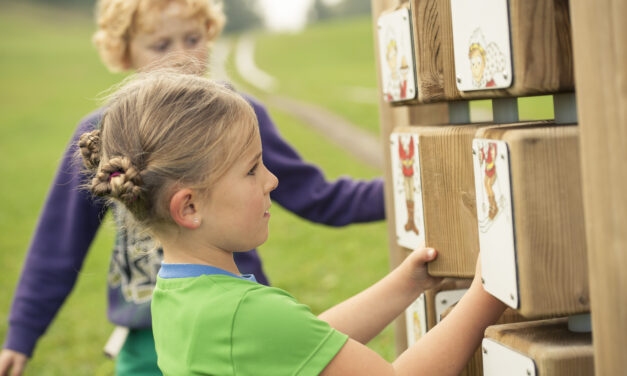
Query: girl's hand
x=416, y=267
x=12, y=363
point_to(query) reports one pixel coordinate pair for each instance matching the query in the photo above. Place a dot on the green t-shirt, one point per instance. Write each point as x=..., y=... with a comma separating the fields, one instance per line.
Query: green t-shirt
x=223, y=325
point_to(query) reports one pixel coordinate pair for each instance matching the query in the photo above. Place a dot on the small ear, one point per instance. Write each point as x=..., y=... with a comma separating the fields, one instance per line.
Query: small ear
x=183, y=209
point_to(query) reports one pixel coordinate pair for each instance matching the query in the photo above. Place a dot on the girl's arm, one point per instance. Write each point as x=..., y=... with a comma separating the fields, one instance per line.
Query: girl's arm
x=366, y=314
x=67, y=224
x=444, y=350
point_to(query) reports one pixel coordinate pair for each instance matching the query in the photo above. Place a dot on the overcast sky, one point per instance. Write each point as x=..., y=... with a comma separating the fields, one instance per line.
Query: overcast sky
x=287, y=15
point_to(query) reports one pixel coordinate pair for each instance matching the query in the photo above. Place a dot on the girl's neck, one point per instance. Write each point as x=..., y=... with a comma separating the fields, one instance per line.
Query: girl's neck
x=177, y=254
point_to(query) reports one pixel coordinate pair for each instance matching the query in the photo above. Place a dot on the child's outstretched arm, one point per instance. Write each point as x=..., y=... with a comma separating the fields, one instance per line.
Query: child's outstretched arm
x=444, y=350
x=366, y=314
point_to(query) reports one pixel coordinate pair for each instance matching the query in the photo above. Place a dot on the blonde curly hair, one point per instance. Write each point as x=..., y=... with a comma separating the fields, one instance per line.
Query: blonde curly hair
x=118, y=19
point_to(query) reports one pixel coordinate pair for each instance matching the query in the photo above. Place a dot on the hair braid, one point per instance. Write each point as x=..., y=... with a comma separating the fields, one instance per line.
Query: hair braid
x=89, y=144
x=118, y=178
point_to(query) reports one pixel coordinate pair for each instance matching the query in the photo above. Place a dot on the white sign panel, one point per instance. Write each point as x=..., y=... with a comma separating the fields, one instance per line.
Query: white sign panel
x=408, y=210
x=446, y=298
x=495, y=219
x=499, y=360
x=416, y=320
x=481, y=43
x=397, y=56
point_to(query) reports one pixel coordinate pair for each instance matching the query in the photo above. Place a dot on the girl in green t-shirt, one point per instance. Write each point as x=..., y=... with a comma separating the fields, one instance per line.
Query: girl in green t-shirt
x=183, y=155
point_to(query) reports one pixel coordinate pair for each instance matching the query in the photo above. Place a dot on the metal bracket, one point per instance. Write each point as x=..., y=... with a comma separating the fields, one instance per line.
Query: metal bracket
x=505, y=110
x=459, y=112
x=565, y=108
x=580, y=323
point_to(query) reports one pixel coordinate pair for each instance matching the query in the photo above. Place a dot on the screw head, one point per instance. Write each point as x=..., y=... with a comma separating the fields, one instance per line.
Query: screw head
x=444, y=301
x=482, y=281
x=459, y=80
x=511, y=296
x=485, y=351
x=528, y=372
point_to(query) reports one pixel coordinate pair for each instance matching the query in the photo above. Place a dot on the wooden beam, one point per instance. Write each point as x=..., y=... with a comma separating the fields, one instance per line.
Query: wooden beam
x=554, y=349
x=548, y=217
x=600, y=49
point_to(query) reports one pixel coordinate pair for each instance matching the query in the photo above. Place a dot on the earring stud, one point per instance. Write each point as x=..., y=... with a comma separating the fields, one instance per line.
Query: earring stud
x=196, y=220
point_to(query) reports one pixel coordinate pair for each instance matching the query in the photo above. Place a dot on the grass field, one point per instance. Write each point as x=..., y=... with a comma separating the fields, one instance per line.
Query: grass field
x=49, y=75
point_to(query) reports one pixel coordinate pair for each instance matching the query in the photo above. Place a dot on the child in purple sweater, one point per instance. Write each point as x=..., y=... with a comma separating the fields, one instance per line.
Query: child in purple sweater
x=144, y=35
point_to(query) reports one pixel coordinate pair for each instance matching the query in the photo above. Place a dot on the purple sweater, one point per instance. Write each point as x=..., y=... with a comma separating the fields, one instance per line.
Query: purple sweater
x=71, y=217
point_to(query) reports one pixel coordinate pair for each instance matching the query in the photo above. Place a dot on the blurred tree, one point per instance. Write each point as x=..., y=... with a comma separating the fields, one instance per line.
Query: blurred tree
x=353, y=7
x=241, y=15
x=83, y=5
x=319, y=11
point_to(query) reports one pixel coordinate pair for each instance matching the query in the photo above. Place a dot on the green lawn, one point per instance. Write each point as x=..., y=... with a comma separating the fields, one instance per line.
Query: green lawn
x=331, y=64
x=50, y=75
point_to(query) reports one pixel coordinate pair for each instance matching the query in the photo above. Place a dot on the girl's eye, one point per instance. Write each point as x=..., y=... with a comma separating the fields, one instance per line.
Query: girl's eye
x=160, y=46
x=192, y=40
x=252, y=170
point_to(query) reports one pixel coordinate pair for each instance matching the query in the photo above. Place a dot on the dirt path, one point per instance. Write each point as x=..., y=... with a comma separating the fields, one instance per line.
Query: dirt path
x=358, y=142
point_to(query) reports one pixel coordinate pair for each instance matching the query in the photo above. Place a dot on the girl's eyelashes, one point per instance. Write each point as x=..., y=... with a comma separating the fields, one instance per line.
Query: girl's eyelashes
x=252, y=170
x=192, y=40
x=160, y=46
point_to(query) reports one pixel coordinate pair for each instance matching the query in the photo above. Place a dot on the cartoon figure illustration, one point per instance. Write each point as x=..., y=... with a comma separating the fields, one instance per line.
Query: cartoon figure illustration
x=407, y=166
x=393, y=88
x=404, y=73
x=489, y=158
x=486, y=61
x=417, y=328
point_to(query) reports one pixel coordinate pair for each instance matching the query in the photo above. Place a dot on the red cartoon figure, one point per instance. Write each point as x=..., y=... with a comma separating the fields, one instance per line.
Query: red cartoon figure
x=489, y=158
x=407, y=166
x=404, y=70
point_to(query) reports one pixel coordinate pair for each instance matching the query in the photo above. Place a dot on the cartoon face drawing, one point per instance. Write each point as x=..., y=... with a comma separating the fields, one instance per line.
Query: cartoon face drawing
x=391, y=55
x=487, y=62
x=477, y=62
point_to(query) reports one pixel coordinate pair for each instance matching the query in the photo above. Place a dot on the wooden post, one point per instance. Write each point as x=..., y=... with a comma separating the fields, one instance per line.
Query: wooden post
x=600, y=49
x=389, y=117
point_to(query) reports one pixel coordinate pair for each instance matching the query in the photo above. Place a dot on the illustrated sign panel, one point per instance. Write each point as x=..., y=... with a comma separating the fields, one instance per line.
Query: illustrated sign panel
x=416, y=320
x=410, y=228
x=495, y=219
x=397, y=56
x=446, y=298
x=481, y=43
x=500, y=360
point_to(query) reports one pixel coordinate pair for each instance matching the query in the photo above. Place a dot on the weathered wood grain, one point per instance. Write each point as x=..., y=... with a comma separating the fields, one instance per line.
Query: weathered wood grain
x=600, y=50
x=540, y=42
x=548, y=217
x=555, y=350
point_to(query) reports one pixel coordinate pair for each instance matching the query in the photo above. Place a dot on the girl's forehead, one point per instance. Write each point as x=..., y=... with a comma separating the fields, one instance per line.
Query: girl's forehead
x=153, y=15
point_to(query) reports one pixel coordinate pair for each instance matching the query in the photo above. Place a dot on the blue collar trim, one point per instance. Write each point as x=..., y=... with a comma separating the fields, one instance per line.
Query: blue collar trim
x=169, y=271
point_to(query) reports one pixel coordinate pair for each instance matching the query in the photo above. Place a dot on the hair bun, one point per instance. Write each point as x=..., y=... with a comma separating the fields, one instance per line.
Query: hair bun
x=89, y=144
x=118, y=178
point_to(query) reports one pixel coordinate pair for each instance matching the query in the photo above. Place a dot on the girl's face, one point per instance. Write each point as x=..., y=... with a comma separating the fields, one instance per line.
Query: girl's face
x=168, y=38
x=236, y=213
